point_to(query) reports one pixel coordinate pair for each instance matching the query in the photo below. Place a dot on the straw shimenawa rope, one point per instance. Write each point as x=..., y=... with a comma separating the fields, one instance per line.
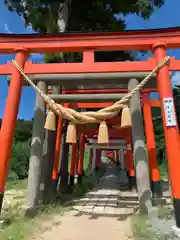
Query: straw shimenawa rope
x=90, y=117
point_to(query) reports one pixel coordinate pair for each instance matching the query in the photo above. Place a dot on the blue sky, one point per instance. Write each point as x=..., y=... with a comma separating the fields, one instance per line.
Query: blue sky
x=167, y=16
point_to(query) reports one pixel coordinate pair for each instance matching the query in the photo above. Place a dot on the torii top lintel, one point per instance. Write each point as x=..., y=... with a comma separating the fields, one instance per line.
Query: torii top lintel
x=99, y=41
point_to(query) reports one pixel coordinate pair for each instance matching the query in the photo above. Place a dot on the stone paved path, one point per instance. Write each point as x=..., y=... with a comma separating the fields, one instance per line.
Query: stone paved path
x=103, y=213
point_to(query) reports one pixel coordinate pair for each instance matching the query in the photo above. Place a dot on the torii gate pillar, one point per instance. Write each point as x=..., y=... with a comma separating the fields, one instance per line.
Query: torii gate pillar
x=140, y=151
x=171, y=130
x=9, y=119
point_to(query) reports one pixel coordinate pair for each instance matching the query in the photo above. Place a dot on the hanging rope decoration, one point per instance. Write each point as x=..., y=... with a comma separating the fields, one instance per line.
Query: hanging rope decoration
x=89, y=117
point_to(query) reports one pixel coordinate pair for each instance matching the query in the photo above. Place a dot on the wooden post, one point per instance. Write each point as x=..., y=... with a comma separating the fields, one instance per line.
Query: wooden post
x=151, y=147
x=81, y=157
x=122, y=159
x=171, y=131
x=126, y=163
x=35, y=163
x=113, y=155
x=126, y=160
x=9, y=119
x=131, y=171
x=48, y=159
x=94, y=160
x=77, y=154
x=57, y=152
x=123, y=174
x=98, y=159
x=90, y=157
x=140, y=151
x=63, y=186
x=117, y=160
x=60, y=157
x=73, y=164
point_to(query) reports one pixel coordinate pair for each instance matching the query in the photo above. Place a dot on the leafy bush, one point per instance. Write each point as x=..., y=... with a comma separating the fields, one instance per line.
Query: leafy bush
x=20, y=159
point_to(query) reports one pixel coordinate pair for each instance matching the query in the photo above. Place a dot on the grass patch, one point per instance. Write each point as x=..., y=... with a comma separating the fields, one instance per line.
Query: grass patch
x=165, y=212
x=140, y=229
x=163, y=172
x=13, y=226
x=16, y=184
x=16, y=226
x=143, y=228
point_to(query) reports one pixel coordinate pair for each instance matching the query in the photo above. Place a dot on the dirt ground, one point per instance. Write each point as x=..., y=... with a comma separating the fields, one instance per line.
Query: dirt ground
x=102, y=213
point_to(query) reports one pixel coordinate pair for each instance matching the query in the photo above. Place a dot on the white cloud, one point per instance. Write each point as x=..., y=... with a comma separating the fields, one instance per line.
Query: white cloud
x=175, y=79
x=6, y=28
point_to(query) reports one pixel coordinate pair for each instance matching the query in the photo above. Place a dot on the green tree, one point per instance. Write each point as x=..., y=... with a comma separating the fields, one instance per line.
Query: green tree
x=23, y=130
x=20, y=150
x=20, y=159
x=79, y=15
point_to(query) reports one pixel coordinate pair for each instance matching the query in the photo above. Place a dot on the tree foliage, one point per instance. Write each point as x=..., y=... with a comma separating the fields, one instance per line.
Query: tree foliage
x=23, y=131
x=55, y=16
x=20, y=159
x=91, y=15
x=21, y=149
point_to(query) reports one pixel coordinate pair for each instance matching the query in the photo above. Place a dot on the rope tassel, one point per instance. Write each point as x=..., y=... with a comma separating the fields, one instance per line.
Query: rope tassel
x=71, y=133
x=126, y=120
x=103, y=136
x=50, y=123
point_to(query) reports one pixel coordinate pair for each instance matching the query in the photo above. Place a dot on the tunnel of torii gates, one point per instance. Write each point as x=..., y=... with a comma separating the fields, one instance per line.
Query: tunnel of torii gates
x=113, y=78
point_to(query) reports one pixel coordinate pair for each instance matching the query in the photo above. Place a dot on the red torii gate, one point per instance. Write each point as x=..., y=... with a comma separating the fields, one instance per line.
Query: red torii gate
x=92, y=133
x=155, y=40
